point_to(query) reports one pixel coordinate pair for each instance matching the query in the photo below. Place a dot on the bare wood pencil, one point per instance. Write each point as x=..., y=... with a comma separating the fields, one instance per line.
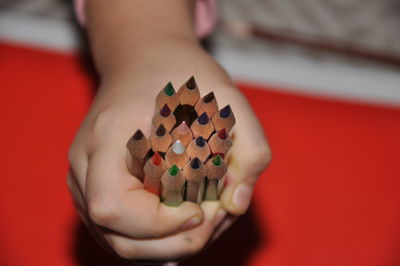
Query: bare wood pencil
x=177, y=154
x=167, y=96
x=172, y=186
x=160, y=139
x=189, y=93
x=220, y=143
x=153, y=170
x=164, y=117
x=202, y=126
x=207, y=104
x=195, y=173
x=199, y=148
x=216, y=170
x=224, y=119
x=182, y=133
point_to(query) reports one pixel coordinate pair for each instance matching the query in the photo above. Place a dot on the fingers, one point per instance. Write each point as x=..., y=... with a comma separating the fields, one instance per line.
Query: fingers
x=116, y=200
x=250, y=155
x=169, y=248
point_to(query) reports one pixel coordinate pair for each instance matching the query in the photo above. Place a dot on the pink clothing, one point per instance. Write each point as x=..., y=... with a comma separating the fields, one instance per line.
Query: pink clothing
x=205, y=15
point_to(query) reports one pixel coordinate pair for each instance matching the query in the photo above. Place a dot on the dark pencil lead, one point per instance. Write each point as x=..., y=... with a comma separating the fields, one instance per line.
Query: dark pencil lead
x=191, y=83
x=222, y=134
x=226, y=111
x=169, y=89
x=161, y=131
x=209, y=97
x=138, y=135
x=200, y=141
x=195, y=163
x=165, y=111
x=203, y=119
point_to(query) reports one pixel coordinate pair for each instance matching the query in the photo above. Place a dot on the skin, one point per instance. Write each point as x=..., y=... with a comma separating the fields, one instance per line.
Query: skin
x=136, y=54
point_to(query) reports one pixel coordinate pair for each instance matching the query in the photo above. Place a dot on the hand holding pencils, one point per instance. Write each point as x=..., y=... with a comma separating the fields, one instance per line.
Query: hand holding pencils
x=184, y=156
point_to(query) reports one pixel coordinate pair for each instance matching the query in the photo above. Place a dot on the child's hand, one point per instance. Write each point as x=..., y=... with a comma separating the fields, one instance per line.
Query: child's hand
x=114, y=204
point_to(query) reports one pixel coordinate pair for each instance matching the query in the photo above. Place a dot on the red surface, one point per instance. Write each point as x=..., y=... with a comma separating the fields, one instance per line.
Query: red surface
x=330, y=196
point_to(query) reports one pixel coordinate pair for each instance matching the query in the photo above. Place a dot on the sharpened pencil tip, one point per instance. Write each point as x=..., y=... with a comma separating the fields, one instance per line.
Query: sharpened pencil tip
x=195, y=163
x=169, y=89
x=182, y=128
x=209, y=97
x=138, y=135
x=226, y=111
x=178, y=147
x=203, y=119
x=222, y=134
x=173, y=170
x=165, y=111
x=191, y=83
x=200, y=141
x=156, y=159
x=217, y=160
x=161, y=131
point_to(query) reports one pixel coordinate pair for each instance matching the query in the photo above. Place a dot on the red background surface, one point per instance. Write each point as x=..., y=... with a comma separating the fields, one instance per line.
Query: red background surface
x=330, y=197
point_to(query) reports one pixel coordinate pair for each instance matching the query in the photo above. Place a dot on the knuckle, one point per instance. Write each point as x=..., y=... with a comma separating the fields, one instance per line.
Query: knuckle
x=264, y=155
x=122, y=249
x=196, y=246
x=72, y=155
x=261, y=157
x=102, y=212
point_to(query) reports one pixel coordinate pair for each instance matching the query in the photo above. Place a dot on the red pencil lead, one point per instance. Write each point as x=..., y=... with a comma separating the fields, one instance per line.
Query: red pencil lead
x=222, y=134
x=156, y=159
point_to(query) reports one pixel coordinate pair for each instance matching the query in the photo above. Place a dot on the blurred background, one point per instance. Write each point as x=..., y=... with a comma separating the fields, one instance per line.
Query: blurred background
x=324, y=79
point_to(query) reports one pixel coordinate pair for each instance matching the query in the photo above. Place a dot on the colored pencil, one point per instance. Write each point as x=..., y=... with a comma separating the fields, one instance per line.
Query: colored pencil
x=224, y=118
x=160, y=139
x=172, y=186
x=164, y=117
x=167, y=96
x=199, y=148
x=202, y=126
x=177, y=154
x=220, y=143
x=182, y=133
x=153, y=170
x=139, y=146
x=189, y=93
x=207, y=104
x=195, y=173
x=216, y=170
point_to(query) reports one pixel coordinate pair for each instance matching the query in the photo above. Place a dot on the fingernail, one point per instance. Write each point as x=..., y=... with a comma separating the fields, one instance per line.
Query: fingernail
x=241, y=197
x=220, y=216
x=193, y=222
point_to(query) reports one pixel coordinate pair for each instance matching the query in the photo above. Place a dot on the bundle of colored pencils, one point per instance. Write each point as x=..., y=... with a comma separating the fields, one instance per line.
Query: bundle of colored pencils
x=184, y=157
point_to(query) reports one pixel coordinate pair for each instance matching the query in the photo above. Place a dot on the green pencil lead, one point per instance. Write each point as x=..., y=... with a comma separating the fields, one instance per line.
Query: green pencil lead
x=217, y=161
x=169, y=89
x=173, y=171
